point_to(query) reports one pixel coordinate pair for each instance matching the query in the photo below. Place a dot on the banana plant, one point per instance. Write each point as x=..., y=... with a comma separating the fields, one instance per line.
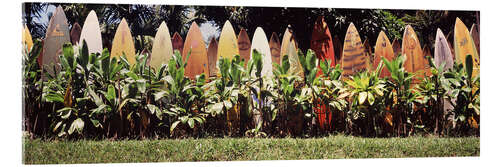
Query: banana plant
x=333, y=93
x=309, y=93
x=261, y=97
x=465, y=88
x=184, y=99
x=366, y=96
x=400, y=94
x=290, y=113
x=431, y=92
x=31, y=85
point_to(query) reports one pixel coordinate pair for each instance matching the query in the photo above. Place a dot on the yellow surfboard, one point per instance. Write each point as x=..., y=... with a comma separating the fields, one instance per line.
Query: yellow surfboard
x=27, y=39
x=198, y=60
x=383, y=48
x=228, y=43
x=123, y=43
x=162, y=47
x=465, y=46
x=91, y=33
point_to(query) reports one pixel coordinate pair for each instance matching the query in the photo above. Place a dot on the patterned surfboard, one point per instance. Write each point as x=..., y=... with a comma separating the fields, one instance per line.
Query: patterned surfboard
x=57, y=34
x=354, y=60
x=465, y=46
x=415, y=61
x=321, y=41
x=474, y=33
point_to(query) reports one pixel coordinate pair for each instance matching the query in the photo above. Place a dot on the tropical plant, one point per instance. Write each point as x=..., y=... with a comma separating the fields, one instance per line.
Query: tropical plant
x=464, y=96
x=32, y=84
x=366, y=97
x=333, y=93
x=400, y=94
x=308, y=95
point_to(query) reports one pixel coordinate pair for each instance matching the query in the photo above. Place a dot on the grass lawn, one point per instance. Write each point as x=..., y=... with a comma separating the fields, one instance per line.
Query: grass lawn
x=227, y=149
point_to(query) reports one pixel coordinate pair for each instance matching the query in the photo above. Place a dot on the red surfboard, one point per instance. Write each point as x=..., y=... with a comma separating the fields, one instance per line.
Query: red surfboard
x=322, y=45
x=177, y=42
x=75, y=33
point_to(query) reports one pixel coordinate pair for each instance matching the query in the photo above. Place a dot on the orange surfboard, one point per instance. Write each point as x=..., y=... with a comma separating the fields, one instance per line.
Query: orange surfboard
x=198, y=60
x=354, y=59
x=57, y=34
x=177, y=42
x=162, y=47
x=383, y=48
x=212, y=57
x=415, y=61
x=465, y=46
x=442, y=51
x=274, y=44
x=338, y=47
x=76, y=30
x=244, y=45
x=396, y=47
x=321, y=41
x=27, y=39
x=474, y=33
x=123, y=43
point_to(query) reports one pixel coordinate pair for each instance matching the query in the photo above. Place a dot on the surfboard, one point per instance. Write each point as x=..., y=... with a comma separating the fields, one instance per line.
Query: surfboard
x=396, y=47
x=177, y=42
x=287, y=36
x=212, y=57
x=198, y=60
x=259, y=43
x=123, y=43
x=244, y=45
x=338, y=48
x=57, y=34
x=368, y=53
x=91, y=33
x=442, y=51
x=228, y=43
x=464, y=46
x=354, y=60
x=27, y=39
x=383, y=48
x=162, y=47
x=293, y=58
x=74, y=34
x=415, y=61
x=274, y=44
x=321, y=41
x=474, y=33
